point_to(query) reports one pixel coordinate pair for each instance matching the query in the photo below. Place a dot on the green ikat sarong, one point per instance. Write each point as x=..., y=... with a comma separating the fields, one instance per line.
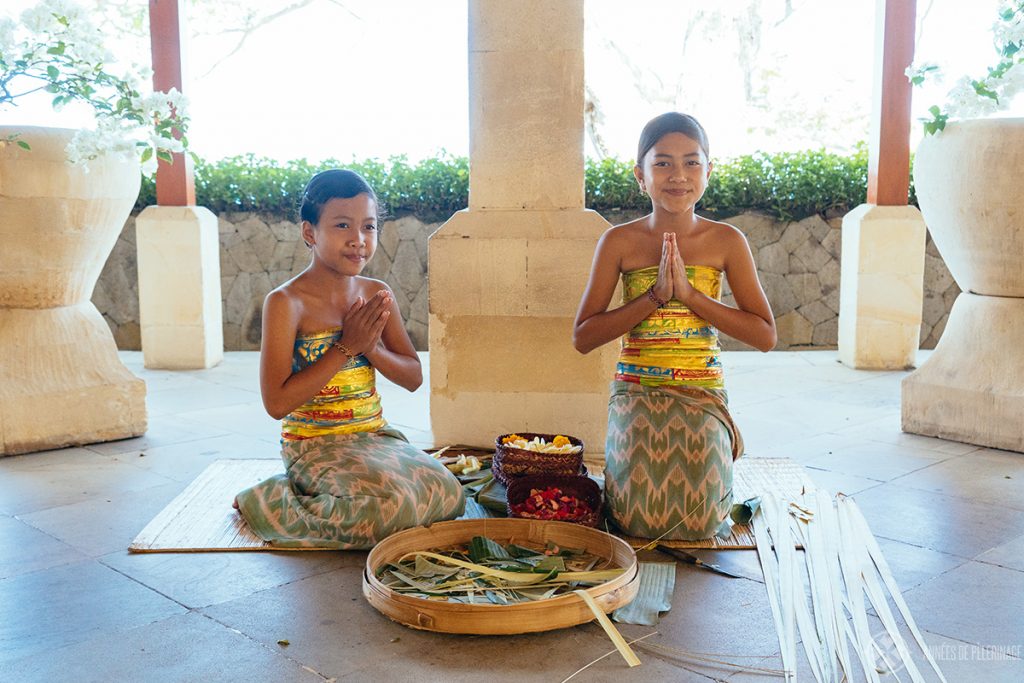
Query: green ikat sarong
x=349, y=491
x=668, y=460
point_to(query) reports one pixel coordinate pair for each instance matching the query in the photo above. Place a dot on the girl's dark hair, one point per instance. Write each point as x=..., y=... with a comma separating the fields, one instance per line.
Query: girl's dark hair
x=671, y=122
x=333, y=184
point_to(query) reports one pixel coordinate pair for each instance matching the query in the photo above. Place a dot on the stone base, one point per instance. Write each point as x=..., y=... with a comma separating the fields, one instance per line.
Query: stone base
x=179, y=288
x=881, y=287
x=971, y=389
x=504, y=288
x=63, y=382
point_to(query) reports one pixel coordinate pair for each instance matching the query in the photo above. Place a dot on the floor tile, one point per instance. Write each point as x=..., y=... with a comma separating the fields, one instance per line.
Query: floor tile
x=1009, y=554
x=948, y=524
x=912, y=565
x=183, y=462
x=70, y=604
x=976, y=602
x=201, y=579
x=38, y=481
x=105, y=524
x=840, y=482
x=986, y=475
x=165, y=430
x=25, y=549
x=189, y=647
x=198, y=396
x=875, y=460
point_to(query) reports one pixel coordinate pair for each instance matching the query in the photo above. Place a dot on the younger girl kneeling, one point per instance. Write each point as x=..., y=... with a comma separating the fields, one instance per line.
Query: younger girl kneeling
x=671, y=441
x=350, y=480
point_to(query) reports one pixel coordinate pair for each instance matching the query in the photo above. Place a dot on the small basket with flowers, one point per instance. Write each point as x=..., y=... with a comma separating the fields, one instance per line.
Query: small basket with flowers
x=529, y=453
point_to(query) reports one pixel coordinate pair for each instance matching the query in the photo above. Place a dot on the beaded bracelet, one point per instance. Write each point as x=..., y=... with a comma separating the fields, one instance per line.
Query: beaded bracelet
x=344, y=349
x=654, y=297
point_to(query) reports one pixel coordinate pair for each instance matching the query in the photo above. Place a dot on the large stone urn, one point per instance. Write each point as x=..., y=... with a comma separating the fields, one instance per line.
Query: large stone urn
x=968, y=180
x=61, y=381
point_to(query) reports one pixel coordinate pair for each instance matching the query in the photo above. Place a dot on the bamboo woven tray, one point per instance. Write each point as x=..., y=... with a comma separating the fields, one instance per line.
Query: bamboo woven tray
x=489, y=619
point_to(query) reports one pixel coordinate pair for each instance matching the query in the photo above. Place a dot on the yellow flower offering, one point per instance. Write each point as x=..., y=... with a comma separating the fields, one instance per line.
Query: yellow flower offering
x=560, y=440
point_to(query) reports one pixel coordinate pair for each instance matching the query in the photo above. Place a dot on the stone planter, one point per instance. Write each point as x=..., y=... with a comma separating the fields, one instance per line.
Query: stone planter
x=62, y=381
x=968, y=185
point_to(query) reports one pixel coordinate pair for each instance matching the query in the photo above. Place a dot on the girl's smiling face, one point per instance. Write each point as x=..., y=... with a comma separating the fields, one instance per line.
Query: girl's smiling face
x=345, y=237
x=674, y=172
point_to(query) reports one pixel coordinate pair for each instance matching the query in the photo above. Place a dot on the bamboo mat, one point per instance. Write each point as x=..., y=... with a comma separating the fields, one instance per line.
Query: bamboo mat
x=751, y=477
x=201, y=518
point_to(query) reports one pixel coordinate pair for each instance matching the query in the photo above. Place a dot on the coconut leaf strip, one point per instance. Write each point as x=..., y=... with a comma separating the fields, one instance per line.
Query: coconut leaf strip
x=769, y=562
x=890, y=582
x=620, y=644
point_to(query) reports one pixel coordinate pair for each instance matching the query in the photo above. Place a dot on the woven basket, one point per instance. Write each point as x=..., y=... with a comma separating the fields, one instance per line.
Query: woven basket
x=527, y=617
x=510, y=463
x=584, y=488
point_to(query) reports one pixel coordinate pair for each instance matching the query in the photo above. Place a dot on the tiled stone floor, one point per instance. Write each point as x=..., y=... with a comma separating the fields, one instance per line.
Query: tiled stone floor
x=75, y=605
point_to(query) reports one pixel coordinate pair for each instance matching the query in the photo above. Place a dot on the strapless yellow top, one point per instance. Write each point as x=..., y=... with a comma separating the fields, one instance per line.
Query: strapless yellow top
x=673, y=345
x=348, y=403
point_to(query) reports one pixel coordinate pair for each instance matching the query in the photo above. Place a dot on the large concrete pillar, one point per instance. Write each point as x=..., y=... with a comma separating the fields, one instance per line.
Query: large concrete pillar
x=507, y=273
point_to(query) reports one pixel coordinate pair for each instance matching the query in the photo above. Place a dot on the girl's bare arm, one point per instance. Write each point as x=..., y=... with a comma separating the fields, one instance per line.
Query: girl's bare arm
x=393, y=354
x=281, y=390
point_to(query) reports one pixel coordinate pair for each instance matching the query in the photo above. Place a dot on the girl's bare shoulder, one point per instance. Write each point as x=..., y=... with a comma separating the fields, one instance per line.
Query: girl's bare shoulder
x=625, y=232
x=368, y=286
x=726, y=232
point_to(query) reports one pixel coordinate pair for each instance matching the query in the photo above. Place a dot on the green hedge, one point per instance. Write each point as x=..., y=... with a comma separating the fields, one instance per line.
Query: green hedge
x=788, y=186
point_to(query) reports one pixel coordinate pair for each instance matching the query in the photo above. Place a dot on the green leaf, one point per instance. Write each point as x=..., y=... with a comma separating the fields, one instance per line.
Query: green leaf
x=164, y=155
x=57, y=49
x=147, y=154
x=482, y=548
x=53, y=72
x=23, y=144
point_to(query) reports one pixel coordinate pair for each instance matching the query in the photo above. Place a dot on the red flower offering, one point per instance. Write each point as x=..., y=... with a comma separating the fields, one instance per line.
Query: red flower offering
x=551, y=504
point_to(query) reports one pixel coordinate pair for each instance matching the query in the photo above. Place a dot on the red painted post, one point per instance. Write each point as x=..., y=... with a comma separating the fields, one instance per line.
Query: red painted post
x=175, y=184
x=889, y=144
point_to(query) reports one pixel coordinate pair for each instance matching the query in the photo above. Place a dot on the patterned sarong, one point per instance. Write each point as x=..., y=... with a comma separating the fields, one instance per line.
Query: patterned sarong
x=668, y=460
x=349, y=491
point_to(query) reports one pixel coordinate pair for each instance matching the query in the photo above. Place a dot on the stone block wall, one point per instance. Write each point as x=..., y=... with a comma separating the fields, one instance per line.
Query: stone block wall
x=798, y=263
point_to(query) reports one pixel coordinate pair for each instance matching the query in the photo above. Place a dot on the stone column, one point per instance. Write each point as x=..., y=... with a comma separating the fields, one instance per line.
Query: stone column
x=882, y=265
x=178, y=243
x=506, y=274
x=882, y=287
x=179, y=287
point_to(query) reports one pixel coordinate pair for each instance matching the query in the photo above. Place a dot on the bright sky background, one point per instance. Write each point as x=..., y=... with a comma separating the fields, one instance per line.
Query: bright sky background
x=382, y=77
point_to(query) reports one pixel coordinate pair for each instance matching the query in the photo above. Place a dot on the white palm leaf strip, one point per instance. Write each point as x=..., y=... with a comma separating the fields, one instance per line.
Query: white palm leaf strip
x=824, y=539
x=809, y=634
x=818, y=644
x=870, y=586
x=852, y=563
x=783, y=541
x=770, y=568
x=857, y=518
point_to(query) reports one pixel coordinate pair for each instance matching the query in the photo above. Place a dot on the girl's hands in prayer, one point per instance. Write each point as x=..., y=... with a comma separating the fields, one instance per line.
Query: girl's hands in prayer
x=364, y=323
x=663, y=286
x=682, y=290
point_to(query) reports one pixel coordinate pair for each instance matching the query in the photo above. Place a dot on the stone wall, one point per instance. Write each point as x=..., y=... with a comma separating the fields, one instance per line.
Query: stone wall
x=798, y=263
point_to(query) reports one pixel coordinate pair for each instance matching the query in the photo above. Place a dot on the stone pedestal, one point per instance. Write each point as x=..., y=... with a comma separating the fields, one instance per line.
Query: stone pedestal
x=972, y=386
x=507, y=274
x=179, y=287
x=881, y=287
x=61, y=382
